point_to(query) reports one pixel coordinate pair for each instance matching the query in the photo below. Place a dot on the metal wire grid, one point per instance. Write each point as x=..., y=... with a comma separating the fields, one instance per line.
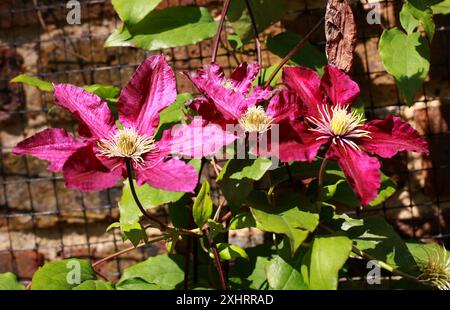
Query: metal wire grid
x=116, y=70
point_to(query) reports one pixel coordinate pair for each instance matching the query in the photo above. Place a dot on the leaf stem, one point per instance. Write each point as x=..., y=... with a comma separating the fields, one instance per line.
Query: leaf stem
x=124, y=251
x=323, y=167
x=219, y=31
x=384, y=265
x=162, y=226
x=257, y=42
x=293, y=51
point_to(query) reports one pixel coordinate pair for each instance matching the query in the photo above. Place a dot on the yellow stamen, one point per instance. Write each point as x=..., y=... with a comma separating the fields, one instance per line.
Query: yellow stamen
x=340, y=124
x=127, y=143
x=343, y=122
x=255, y=119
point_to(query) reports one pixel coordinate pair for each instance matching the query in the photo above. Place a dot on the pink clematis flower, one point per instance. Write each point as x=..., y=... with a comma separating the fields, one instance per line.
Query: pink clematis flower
x=326, y=104
x=96, y=160
x=233, y=102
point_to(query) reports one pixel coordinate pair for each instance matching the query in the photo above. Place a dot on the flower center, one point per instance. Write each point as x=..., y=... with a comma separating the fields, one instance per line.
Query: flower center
x=127, y=143
x=340, y=124
x=255, y=119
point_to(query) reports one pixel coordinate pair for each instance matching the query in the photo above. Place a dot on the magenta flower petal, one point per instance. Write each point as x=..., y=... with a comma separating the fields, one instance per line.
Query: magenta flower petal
x=54, y=145
x=390, y=136
x=212, y=83
x=285, y=105
x=230, y=96
x=151, y=89
x=338, y=86
x=96, y=120
x=306, y=84
x=85, y=172
x=259, y=93
x=297, y=143
x=207, y=110
x=171, y=175
x=198, y=139
x=242, y=77
x=361, y=170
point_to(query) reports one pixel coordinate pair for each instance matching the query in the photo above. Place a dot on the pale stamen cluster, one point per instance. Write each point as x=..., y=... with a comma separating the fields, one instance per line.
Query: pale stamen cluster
x=127, y=143
x=340, y=124
x=255, y=119
x=436, y=269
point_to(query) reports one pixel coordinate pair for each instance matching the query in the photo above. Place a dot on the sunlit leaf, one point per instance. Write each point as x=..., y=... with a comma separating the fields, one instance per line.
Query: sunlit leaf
x=406, y=58
x=62, y=275
x=171, y=27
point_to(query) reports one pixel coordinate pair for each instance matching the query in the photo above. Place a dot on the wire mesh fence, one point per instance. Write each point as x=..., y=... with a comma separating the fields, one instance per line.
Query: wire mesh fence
x=41, y=220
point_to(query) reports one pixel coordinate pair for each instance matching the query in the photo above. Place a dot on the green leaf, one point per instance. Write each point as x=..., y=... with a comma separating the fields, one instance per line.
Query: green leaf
x=250, y=274
x=215, y=228
x=94, y=285
x=62, y=275
x=134, y=232
x=132, y=12
x=328, y=255
x=8, y=282
x=266, y=12
x=163, y=270
x=234, y=190
x=387, y=189
x=378, y=239
x=441, y=7
x=106, y=92
x=235, y=41
x=424, y=14
x=342, y=192
x=406, y=57
x=150, y=197
x=408, y=21
x=282, y=275
x=171, y=27
x=230, y=251
x=203, y=206
x=136, y=284
x=33, y=81
x=173, y=114
x=308, y=56
x=254, y=169
x=265, y=74
x=286, y=218
x=242, y=220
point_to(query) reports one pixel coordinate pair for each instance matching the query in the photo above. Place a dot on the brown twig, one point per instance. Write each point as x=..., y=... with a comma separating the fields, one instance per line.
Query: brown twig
x=257, y=42
x=39, y=15
x=293, y=51
x=215, y=166
x=219, y=31
x=226, y=216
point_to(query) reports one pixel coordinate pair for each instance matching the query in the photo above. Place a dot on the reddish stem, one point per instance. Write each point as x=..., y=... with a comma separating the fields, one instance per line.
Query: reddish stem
x=219, y=31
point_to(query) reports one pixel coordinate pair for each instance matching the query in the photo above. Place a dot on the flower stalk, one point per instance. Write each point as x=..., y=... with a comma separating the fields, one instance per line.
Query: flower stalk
x=223, y=14
x=294, y=51
x=162, y=226
x=257, y=42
